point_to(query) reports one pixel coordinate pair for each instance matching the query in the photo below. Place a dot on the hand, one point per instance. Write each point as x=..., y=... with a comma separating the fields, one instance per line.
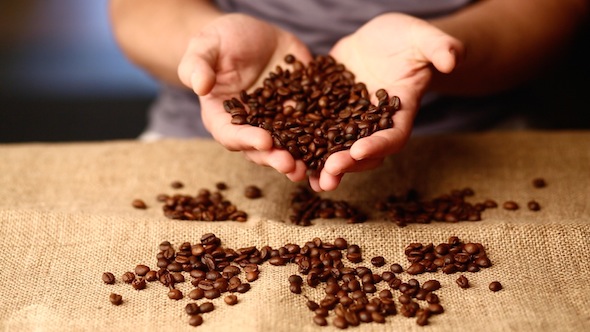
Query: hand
x=233, y=53
x=395, y=52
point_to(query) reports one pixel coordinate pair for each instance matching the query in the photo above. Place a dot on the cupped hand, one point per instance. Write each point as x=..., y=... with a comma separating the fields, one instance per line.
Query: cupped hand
x=234, y=53
x=395, y=52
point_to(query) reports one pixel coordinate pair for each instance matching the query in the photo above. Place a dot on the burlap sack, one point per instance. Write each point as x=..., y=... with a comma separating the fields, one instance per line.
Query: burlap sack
x=66, y=217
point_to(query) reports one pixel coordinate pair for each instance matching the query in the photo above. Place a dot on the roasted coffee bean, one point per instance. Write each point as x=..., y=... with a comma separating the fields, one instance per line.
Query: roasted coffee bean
x=108, y=278
x=221, y=186
x=177, y=184
x=175, y=294
x=495, y=286
x=320, y=320
x=415, y=268
x=471, y=248
x=196, y=294
x=295, y=279
x=326, y=95
x=195, y=320
x=295, y=288
x=510, y=205
x=431, y=285
x=138, y=284
x=252, y=192
x=128, y=277
x=378, y=261
x=396, y=268
x=231, y=299
x=435, y=308
x=212, y=293
x=243, y=287
x=462, y=281
x=139, y=204
x=151, y=276
x=539, y=183
x=115, y=299
x=340, y=322
x=534, y=206
x=192, y=309
x=206, y=307
x=377, y=317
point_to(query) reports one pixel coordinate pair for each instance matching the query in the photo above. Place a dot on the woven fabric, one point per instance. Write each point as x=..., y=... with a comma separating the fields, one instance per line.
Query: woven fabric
x=66, y=217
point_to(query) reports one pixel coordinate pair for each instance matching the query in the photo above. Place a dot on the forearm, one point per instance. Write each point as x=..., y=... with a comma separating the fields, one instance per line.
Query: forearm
x=154, y=34
x=507, y=42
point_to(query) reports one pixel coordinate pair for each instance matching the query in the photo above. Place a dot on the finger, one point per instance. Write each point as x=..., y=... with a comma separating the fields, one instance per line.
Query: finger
x=280, y=160
x=299, y=174
x=197, y=66
x=441, y=49
x=342, y=162
x=385, y=142
x=328, y=182
x=314, y=182
x=232, y=137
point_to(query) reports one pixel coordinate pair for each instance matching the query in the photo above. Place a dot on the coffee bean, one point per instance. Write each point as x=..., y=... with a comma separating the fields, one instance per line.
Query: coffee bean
x=212, y=293
x=221, y=186
x=206, y=307
x=471, y=248
x=462, y=282
x=231, y=299
x=431, y=285
x=295, y=279
x=534, y=206
x=415, y=268
x=141, y=270
x=196, y=294
x=195, y=320
x=175, y=294
x=177, y=184
x=138, y=284
x=243, y=287
x=115, y=299
x=139, y=204
x=396, y=268
x=539, y=183
x=340, y=322
x=378, y=261
x=510, y=205
x=108, y=278
x=252, y=192
x=128, y=277
x=495, y=286
x=320, y=320
x=192, y=309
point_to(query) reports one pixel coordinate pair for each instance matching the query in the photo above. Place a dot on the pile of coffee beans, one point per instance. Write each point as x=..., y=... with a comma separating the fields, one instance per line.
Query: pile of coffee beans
x=351, y=292
x=204, y=206
x=313, y=111
x=453, y=207
x=307, y=205
x=451, y=257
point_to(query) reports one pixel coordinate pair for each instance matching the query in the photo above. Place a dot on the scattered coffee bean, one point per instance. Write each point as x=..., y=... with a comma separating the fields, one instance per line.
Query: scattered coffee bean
x=510, y=205
x=231, y=299
x=115, y=299
x=175, y=294
x=205, y=206
x=138, y=283
x=128, y=277
x=534, y=206
x=108, y=278
x=378, y=261
x=495, y=286
x=221, y=186
x=320, y=320
x=252, y=192
x=141, y=270
x=195, y=320
x=539, y=183
x=396, y=268
x=307, y=205
x=139, y=204
x=431, y=285
x=462, y=281
x=177, y=184
x=192, y=309
x=206, y=307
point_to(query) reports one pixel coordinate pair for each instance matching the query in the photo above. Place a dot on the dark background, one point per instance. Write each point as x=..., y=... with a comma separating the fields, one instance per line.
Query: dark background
x=63, y=78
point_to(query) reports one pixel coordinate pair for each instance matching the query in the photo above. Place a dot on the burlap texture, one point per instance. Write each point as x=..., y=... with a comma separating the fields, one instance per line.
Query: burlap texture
x=65, y=218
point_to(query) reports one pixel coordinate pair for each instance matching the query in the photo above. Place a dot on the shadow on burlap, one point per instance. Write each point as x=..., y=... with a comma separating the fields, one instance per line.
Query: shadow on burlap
x=65, y=217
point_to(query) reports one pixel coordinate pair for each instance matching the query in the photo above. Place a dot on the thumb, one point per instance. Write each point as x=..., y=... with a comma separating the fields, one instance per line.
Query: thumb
x=197, y=66
x=442, y=50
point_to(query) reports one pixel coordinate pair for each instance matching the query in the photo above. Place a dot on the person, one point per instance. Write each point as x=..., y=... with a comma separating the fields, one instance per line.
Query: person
x=207, y=51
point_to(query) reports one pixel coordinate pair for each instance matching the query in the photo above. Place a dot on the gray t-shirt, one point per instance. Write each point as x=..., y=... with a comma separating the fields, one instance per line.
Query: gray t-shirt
x=318, y=23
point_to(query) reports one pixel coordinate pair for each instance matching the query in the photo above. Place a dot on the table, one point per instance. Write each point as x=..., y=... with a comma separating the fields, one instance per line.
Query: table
x=66, y=217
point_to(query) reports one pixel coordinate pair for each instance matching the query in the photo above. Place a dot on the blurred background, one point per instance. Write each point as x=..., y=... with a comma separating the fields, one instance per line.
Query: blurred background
x=63, y=78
